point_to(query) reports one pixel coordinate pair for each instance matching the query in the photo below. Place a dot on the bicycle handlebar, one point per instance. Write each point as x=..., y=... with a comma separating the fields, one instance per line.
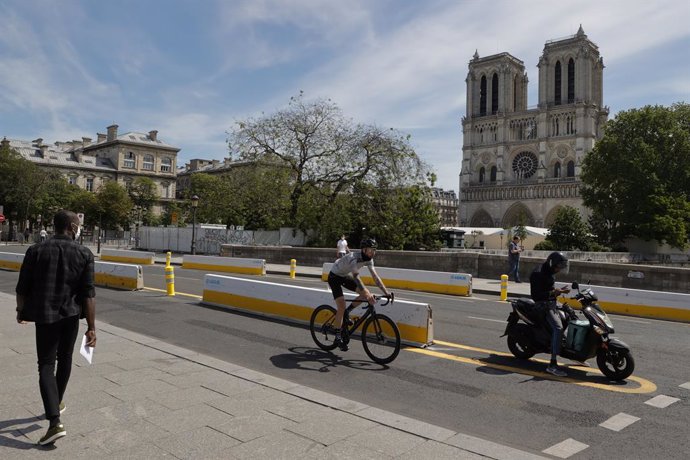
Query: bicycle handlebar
x=389, y=299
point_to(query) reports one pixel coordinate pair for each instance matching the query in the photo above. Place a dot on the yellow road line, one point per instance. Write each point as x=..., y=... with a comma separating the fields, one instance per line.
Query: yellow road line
x=646, y=386
x=176, y=293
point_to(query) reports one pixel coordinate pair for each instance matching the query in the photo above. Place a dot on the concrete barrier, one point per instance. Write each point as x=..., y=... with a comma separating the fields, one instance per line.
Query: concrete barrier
x=296, y=303
x=120, y=276
x=225, y=264
x=635, y=302
x=131, y=257
x=11, y=261
x=416, y=280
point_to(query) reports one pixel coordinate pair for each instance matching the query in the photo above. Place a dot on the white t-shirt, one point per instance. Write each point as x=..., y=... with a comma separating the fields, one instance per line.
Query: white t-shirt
x=342, y=245
x=351, y=263
x=43, y=233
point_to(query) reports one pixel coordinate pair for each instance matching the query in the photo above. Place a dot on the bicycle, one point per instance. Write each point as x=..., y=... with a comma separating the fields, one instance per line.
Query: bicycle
x=380, y=334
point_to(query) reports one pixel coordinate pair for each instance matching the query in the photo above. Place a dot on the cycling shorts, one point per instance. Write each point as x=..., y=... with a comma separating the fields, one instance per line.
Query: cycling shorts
x=336, y=283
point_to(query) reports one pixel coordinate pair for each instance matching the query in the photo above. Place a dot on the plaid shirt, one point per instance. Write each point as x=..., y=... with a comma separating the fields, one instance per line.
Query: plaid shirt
x=54, y=277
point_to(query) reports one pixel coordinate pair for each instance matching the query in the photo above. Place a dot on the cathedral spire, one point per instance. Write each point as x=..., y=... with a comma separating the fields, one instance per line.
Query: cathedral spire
x=476, y=55
x=580, y=31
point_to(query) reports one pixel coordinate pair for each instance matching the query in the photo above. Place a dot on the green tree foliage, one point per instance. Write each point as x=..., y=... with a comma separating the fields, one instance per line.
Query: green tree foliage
x=143, y=193
x=569, y=232
x=113, y=206
x=637, y=178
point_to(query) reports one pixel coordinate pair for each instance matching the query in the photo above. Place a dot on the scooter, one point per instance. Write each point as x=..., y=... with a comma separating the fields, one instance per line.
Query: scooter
x=529, y=333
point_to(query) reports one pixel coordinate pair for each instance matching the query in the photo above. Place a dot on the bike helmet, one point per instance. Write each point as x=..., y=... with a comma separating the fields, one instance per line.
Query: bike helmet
x=369, y=243
x=558, y=260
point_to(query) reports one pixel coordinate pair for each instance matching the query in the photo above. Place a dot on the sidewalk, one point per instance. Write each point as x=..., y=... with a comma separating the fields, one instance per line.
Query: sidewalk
x=143, y=398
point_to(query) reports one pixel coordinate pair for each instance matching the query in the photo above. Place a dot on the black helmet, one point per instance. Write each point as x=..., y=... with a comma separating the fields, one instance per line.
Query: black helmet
x=558, y=260
x=369, y=243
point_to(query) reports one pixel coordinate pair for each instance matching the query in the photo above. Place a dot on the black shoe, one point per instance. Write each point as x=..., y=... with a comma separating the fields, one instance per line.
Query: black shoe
x=342, y=344
x=53, y=434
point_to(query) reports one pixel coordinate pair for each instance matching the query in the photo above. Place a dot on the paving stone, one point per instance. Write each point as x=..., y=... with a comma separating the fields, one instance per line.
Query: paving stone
x=265, y=379
x=386, y=440
x=344, y=449
x=231, y=385
x=282, y=445
x=133, y=411
x=250, y=402
x=179, y=399
x=191, y=418
x=301, y=410
x=141, y=390
x=337, y=426
x=438, y=451
x=137, y=375
x=202, y=442
x=326, y=399
x=197, y=378
x=78, y=403
x=177, y=366
x=217, y=364
x=246, y=428
x=147, y=451
x=407, y=424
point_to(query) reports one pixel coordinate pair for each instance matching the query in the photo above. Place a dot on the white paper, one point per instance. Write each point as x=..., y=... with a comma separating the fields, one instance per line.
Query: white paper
x=86, y=352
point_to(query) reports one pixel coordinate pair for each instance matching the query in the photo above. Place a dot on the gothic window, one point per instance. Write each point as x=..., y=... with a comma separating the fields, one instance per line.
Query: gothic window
x=482, y=96
x=571, y=169
x=494, y=93
x=482, y=173
x=166, y=164
x=515, y=92
x=493, y=174
x=525, y=165
x=148, y=163
x=571, y=81
x=557, y=169
x=130, y=160
x=557, y=84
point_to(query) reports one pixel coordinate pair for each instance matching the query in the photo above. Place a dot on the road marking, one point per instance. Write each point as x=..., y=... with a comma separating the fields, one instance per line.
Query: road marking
x=566, y=448
x=620, y=318
x=685, y=385
x=488, y=319
x=646, y=386
x=661, y=401
x=176, y=293
x=619, y=421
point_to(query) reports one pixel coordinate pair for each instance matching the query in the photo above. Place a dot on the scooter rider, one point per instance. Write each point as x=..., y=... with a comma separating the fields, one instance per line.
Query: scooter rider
x=544, y=293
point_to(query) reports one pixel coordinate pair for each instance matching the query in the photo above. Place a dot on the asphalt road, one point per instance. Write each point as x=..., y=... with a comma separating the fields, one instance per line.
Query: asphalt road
x=465, y=382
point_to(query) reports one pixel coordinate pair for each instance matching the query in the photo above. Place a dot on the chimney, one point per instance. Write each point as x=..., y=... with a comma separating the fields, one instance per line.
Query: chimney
x=101, y=137
x=44, y=150
x=153, y=135
x=112, y=133
x=38, y=141
x=215, y=163
x=5, y=143
x=85, y=141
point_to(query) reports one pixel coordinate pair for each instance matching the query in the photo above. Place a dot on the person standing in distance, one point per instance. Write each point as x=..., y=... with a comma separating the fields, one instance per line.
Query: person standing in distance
x=56, y=284
x=514, y=251
x=342, y=247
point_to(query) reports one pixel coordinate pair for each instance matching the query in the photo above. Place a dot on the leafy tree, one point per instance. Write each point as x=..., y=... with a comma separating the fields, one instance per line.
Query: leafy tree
x=143, y=193
x=324, y=152
x=569, y=232
x=637, y=178
x=215, y=199
x=113, y=205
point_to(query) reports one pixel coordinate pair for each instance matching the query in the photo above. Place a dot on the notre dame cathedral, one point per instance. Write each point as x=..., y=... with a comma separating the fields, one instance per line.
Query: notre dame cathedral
x=521, y=164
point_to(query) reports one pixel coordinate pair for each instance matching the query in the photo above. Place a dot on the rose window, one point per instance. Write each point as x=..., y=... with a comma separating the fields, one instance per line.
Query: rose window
x=525, y=165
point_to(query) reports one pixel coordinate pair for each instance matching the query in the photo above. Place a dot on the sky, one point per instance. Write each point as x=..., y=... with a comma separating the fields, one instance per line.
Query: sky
x=192, y=69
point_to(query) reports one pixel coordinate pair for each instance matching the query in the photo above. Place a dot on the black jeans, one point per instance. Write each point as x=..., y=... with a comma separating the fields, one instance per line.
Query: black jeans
x=55, y=341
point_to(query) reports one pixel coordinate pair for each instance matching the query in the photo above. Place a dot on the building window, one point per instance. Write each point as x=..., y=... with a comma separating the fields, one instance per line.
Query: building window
x=557, y=86
x=494, y=93
x=482, y=96
x=482, y=173
x=166, y=164
x=148, y=163
x=72, y=180
x=515, y=93
x=166, y=189
x=130, y=160
x=89, y=184
x=571, y=81
x=571, y=169
x=525, y=165
x=494, y=170
x=557, y=169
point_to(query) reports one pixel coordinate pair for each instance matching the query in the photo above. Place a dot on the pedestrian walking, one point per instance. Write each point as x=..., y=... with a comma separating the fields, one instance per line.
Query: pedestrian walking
x=55, y=288
x=514, y=251
x=342, y=247
x=43, y=234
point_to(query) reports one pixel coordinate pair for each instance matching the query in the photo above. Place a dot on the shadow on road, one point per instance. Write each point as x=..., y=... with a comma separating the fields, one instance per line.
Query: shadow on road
x=313, y=359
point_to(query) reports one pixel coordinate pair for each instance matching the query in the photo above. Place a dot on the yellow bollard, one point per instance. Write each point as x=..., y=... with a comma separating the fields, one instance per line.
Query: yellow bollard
x=168, y=256
x=293, y=268
x=504, y=287
x=170, y=279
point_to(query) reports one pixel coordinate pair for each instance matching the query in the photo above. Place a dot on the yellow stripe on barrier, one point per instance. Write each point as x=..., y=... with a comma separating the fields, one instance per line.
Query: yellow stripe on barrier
x=130, y=260
x=407, y=332
x=107, y=280
x=7, y=265
x=223, y=268
x=421, y=286
x=643, y=311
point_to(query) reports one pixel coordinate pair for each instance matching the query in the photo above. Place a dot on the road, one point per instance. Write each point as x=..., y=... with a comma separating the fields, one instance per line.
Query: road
x=465, y=382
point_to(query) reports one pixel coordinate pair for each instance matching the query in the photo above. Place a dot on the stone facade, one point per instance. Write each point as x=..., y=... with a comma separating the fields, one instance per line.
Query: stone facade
x=121, y=158
x=521, y=164
x=446, y=204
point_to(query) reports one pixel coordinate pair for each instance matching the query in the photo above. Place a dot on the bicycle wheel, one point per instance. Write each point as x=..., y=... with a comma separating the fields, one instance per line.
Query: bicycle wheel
x=322, y=328
x=381, y=339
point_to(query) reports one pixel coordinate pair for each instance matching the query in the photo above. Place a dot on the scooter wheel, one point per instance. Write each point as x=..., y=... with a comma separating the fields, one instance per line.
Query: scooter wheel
x=519, y=349
x=614, y=364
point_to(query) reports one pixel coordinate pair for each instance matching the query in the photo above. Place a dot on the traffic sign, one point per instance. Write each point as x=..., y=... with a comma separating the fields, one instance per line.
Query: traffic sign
x=2, y=218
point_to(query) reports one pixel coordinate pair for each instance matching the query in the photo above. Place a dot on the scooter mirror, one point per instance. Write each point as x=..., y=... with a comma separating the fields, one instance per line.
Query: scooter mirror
x=575, y=285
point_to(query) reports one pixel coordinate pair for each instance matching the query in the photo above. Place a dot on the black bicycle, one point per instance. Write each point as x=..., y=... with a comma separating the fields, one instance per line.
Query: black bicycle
x=380, y=334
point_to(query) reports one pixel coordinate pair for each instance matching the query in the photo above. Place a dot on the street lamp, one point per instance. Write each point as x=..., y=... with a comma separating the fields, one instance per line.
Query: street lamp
x=195, y=204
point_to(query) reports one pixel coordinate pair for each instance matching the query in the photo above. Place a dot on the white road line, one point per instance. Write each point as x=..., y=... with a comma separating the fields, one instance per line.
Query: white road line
x=685, y=385
x=619, y=421
x=488, y=319
x=661, y=401
x=620, y=318
x=566, y=449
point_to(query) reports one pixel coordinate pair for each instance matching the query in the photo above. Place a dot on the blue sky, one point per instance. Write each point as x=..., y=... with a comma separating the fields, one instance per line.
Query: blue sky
x=192, y=68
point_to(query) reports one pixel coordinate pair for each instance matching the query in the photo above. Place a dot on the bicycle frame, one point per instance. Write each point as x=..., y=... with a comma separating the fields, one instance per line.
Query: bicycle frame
x=369, y=311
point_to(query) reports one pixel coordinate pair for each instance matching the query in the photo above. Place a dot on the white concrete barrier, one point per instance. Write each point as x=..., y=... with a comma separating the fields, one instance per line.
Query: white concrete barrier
x=636, y=302
x=297, y=303
x=225, y=264
x=11, y=261
x=121, y=276
x=416, y=280
x=131, y=257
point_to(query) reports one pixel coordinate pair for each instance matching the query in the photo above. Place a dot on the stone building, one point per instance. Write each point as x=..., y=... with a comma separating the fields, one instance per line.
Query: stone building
x=446, y=203
x=521, y=164
x=112, y=157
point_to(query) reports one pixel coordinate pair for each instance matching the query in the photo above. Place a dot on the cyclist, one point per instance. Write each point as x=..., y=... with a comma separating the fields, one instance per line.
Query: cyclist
x=345, y=272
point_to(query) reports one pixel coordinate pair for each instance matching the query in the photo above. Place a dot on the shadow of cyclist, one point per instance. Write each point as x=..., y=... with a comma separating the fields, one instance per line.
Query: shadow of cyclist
x=314, y=359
